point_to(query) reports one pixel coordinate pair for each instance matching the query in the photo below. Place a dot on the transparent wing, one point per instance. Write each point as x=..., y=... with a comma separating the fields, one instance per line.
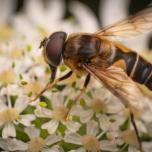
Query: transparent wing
x=139, y=23
x=117, y=81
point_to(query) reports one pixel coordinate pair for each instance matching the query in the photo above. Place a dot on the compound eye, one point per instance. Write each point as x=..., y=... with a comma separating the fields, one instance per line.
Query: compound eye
x=54, y=48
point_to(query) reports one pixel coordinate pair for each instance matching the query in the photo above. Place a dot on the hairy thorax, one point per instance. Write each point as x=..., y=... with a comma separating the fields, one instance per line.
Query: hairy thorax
x=86, y=48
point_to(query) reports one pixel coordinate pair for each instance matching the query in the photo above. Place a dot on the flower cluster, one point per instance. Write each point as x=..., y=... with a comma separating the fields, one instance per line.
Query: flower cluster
x=54, y=122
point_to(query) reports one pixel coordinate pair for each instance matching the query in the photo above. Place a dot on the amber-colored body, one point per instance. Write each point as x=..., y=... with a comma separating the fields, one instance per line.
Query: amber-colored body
x=90, y=48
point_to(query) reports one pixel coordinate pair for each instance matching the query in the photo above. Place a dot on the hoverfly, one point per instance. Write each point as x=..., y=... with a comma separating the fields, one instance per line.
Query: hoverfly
x=106, y=59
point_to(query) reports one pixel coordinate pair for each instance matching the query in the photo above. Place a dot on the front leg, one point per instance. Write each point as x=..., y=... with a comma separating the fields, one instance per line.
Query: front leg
x=87, y=80
x=52, y=83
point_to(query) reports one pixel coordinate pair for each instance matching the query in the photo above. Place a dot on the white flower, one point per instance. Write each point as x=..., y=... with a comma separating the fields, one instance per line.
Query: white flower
x=12, y=144
x=89, y=141
x=12, y=115
x=35, y=144
x=59, y=113
x=102, y=101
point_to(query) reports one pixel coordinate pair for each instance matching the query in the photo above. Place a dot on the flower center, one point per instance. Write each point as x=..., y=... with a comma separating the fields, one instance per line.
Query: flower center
x=60, y=113
x=7, y=76
x=36, y=144
x=9, y=115
x=91, y=143
x=99, y=106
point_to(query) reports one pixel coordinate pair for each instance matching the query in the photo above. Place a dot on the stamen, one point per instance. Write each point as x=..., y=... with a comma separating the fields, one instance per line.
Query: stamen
x=60, y=113
x=91, y=143
x=9, y=115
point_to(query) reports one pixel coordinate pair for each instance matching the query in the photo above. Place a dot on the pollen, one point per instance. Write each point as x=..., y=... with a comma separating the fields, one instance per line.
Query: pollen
x=91, y=143
x=60, y=113
x=7, y=76
x=9, y=115
x=36, y=144
x=99, y=106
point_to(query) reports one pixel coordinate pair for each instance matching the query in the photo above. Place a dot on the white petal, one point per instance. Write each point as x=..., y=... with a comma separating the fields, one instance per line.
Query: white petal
x=86, y=115
x=78, y=150
x=73, y=138
x=147, y=146
x=134, y=149
x=4, y=144
x=55, y=148
x=56, y=10
x=43, y=112
x=76, y=110
x=72, y=126
x=26, y=119
x=3, y=105
x=8, y=130
x=51, y=126
x=21, y=103
x=92, y=128
x=84, y=15
x=57, y=100
x=12, y=144
x=51, y=139
x=108, y=146
x=104, y=122
x=32, y=132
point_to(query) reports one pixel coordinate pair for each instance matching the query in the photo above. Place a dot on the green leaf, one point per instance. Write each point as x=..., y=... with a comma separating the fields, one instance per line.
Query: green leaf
x=20, y=77
x=24, y=82
x=47, y=70
x=89, y=94
x=44, y=133
x=42, y=104
x=20, y=134
x=29, y=94
x=62, y=68
x=82, y=130
x=39, y=121
x=13, y=99
x=13, y=65
x=54, y=89
x=69, y=146
x=47, y=101
x=29, y=47
x=146, y=137
x=61, y=128
x=76, y=118
x=29, y=110
x=125, y=125
x=82, y=102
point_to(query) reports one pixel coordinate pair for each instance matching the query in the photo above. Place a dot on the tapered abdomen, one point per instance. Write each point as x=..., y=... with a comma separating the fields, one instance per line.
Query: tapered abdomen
x=137, y=67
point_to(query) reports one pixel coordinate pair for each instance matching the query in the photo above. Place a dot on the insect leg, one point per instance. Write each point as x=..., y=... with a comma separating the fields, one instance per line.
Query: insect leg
x=52, y=83
x=136, y=131
x=87, y=80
